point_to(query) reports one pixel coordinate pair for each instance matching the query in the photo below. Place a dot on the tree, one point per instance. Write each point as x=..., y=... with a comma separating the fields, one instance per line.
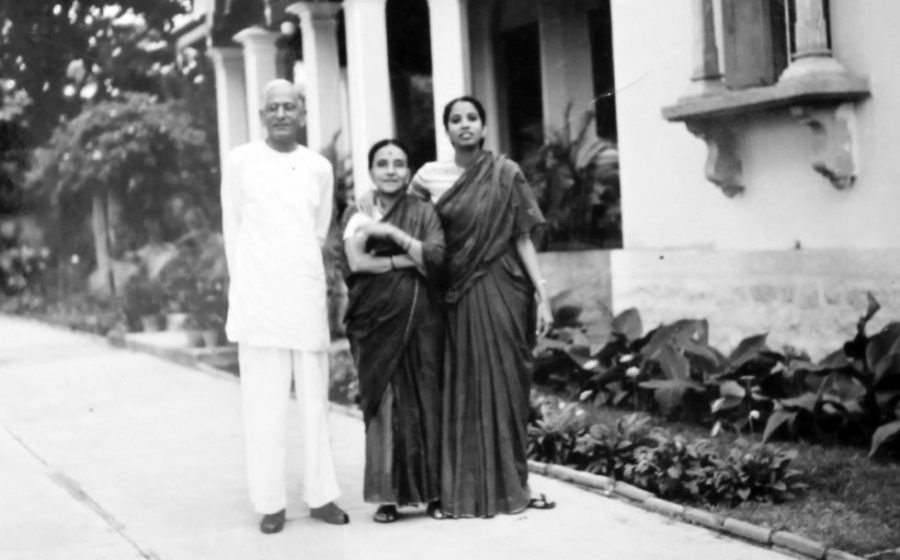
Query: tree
x=124, y=158
x=57, y=55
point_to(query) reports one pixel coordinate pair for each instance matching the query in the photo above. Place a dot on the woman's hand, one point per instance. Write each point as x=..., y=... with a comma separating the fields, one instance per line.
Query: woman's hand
x=378, y=230
x=544, y=317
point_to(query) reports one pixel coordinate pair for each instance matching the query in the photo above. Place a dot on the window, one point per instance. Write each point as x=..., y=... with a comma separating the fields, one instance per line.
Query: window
x=759, y=40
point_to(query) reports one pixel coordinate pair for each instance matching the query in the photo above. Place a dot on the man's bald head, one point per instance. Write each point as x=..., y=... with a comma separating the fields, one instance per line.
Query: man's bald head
x=281, y=85
x=282, y=111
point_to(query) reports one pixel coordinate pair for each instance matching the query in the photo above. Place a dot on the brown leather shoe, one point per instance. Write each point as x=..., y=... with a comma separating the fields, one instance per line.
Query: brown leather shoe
x=330, y=513
x=272, y=522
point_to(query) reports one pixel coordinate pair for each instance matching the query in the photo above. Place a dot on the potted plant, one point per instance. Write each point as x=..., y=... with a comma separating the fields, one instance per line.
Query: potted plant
x=208, y=311
x=575, y=178
x=143, y=301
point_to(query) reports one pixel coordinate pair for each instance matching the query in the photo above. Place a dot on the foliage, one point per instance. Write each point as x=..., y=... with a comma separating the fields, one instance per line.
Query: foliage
x=21, y=266
x=57, y=55
x=196, y=280
x=851, y=396
x=652, y=458
x=576, y=182
x=140, y=151
x=142, y=297
x=62, y=52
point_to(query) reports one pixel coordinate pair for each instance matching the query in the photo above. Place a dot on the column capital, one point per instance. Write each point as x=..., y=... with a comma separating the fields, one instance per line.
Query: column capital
x=256, y=36
x=314, y=10
x=358, y=2
x=226, y=54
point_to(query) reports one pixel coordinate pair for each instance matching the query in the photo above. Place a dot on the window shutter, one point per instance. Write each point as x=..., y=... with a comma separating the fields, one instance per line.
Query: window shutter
x=747, y=43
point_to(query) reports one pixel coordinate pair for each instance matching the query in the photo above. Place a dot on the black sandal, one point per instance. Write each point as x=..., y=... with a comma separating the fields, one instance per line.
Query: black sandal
x=435, y=511
x=386, y=514
x=541, y=502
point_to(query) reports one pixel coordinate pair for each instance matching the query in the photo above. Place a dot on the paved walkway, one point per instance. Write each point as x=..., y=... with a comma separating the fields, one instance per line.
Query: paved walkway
x=108, y=454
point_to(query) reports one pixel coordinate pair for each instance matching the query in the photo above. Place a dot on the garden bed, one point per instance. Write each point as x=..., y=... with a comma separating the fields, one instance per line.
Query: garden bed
x=851, y=503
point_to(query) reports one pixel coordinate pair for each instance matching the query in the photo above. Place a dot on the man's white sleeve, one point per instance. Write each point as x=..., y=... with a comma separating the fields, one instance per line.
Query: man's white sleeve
x=326, y=201
x=231, y=208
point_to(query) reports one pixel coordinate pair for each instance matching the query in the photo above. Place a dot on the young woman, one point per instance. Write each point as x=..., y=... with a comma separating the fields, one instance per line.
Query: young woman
x=496, y=305
x=395, y=327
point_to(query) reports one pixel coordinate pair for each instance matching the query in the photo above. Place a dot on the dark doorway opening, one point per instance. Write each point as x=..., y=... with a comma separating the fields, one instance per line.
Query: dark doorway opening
x=522, y=82
x=600, y=22
x=409, y=60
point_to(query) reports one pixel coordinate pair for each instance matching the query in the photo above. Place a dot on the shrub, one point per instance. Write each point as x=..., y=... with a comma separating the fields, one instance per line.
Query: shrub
x=851, y=396
x=652, y=458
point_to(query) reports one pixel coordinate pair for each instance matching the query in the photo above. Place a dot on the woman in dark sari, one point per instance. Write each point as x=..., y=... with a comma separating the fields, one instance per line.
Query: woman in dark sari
x=395, y=327
x=496, y=306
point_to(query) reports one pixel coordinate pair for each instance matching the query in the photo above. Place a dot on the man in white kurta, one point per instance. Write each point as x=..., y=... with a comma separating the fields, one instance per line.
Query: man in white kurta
x=276, y=210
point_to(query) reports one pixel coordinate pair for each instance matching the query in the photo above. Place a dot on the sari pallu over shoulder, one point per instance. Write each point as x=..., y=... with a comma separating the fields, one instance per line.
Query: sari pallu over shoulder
x=486, y=209
x=384, y=309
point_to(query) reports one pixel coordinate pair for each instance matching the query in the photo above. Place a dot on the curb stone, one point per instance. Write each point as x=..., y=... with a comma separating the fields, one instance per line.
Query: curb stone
x=797, y=543
x=632, y=492
x=664, y=507
x=749, y=531
x=781, y=541
x=833, y=554
x=696, y=516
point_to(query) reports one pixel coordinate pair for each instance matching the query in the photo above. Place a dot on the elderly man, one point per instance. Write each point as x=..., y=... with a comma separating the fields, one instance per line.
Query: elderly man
x=276, y=209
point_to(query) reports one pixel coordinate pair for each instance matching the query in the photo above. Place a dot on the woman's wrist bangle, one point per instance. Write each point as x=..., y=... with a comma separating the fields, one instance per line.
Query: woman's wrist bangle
x=393, y=266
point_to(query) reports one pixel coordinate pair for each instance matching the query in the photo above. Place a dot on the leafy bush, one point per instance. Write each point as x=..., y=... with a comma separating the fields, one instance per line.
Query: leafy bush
x=576, y=183
x=650, y=457
x=21, y=265
x=851, y=396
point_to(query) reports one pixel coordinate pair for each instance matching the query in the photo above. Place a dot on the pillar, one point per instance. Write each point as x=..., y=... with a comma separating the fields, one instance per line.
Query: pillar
x=231, y=98
x=812, y=57
x=318, y=25
x=368, y=78
x=259, y=69
x=706, y=76
x=484, y=72
x=450, y=60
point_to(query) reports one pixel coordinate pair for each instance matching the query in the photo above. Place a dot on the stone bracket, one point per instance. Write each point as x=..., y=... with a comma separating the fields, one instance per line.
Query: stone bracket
x=723, y=163
x=834, y=141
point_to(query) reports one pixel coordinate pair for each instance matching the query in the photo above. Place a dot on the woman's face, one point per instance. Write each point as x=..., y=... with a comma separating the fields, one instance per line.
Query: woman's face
x=464, y=125
x=390, y=169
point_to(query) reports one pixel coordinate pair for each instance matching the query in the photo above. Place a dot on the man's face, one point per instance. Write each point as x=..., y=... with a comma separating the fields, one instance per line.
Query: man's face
x=283, y=114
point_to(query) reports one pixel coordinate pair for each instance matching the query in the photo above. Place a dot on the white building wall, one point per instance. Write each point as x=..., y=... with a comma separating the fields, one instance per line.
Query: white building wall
x=667, y=203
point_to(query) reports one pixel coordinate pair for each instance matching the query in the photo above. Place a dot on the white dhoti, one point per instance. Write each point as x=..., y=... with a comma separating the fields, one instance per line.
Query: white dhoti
x=265, y=386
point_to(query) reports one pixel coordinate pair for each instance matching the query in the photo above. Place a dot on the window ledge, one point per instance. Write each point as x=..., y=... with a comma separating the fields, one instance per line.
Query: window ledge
x=786, y=93
x=825, y=102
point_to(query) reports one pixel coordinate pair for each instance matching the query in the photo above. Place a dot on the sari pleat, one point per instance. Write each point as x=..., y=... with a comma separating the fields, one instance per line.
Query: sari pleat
x=395, y=328
x=490, y=325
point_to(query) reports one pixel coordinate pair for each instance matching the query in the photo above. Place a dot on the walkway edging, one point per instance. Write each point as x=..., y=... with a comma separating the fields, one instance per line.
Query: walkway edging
x=763, y=536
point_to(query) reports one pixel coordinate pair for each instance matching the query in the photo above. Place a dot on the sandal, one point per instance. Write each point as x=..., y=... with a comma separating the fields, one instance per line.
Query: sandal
x=541, y=502
x=435, y=511
x=386, y=514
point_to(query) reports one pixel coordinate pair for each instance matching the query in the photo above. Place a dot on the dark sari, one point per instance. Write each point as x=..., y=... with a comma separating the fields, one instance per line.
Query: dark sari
x=491, y=314
x=395, y=328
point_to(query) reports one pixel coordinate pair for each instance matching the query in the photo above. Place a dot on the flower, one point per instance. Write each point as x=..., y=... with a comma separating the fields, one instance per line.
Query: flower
x=633, y=371
x=754, y=415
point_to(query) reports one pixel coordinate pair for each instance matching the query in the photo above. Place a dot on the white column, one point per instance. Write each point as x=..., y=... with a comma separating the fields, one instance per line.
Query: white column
x=484, y=71
x=566, y=73
x=259, y=69
x=813, y=57
x=368, y=76
x=450, y=61
x=231, y=98
x=318, y=25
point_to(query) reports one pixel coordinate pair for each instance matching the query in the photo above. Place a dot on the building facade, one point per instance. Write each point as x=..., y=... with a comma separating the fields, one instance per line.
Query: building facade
x=755, y=136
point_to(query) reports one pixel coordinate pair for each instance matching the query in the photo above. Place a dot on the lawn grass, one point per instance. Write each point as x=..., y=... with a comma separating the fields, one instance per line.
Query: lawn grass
x=852, y=503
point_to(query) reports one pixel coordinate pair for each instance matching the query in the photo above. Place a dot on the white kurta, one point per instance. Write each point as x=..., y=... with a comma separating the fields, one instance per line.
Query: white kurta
x=276, y=209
